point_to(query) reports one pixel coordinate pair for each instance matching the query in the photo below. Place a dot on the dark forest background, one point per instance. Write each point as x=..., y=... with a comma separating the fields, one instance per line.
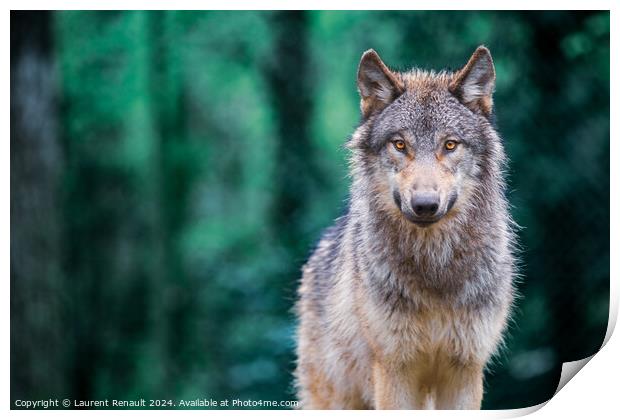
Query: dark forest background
x=170, y=172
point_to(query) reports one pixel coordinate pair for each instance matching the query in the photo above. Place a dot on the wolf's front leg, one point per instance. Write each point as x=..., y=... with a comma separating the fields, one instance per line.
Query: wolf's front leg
x=397, y=388
x=460, y=388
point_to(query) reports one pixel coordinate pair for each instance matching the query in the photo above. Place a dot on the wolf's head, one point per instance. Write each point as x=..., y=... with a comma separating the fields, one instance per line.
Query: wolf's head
x=426, y=143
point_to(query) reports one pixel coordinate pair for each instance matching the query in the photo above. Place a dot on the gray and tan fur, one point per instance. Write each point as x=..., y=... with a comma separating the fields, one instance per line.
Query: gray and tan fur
x=406, y=297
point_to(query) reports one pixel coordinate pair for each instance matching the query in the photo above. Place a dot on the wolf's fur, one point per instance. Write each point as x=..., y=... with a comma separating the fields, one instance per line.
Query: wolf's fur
x=396, y=313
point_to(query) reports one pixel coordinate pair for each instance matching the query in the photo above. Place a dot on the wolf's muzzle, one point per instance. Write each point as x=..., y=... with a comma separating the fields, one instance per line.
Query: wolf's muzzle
x=425, y=205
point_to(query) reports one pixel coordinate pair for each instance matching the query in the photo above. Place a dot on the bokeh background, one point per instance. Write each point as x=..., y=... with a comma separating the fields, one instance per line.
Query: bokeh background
x=170, y=172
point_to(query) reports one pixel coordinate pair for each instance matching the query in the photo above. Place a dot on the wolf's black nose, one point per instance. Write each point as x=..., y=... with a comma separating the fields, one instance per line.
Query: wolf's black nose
x=425, y=204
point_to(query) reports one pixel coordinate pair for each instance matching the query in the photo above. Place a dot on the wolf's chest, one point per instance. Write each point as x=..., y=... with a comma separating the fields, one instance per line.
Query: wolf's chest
x=409, y=334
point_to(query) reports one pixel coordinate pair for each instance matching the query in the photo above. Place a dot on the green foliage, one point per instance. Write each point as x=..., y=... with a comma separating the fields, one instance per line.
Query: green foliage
x=203, y=155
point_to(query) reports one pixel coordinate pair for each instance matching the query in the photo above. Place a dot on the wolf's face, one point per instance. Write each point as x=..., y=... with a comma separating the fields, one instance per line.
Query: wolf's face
x=426, y=134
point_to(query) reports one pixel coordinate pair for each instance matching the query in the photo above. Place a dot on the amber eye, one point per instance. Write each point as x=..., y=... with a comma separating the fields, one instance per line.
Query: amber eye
x=450, y=145
x=400, y=145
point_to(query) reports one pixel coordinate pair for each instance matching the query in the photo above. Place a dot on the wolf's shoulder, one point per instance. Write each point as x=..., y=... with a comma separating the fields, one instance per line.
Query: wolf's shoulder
x=318, y=277
x=327, y=249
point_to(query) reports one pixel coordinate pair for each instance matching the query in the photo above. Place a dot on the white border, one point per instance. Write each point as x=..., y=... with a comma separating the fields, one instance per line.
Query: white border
x=593, y=394
x=313, y=5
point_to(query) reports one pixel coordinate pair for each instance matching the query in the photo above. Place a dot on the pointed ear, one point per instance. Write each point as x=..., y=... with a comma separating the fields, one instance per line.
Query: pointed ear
x=473, y=85
x=378, y=86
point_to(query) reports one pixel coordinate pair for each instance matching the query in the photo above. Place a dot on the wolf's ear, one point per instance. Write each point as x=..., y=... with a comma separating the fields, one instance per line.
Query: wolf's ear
x=473, y=85
x=377, y=85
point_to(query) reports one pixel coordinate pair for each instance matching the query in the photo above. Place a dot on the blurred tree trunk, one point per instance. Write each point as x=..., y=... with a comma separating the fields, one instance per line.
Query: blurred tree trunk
x=291, y=97
x=37, y=333
x=173, y=177
x=111, y=205
x=549, y=30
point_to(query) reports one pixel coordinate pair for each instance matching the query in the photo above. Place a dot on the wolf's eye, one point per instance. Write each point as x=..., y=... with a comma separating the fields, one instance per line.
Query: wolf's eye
x=400, y=145
x=450, y=145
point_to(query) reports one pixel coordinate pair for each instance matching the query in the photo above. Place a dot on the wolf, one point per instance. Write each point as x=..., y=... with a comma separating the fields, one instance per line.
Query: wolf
x=406, y=297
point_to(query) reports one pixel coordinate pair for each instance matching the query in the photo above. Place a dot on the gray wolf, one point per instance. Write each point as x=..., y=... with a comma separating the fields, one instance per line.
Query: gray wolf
x=406, y=297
